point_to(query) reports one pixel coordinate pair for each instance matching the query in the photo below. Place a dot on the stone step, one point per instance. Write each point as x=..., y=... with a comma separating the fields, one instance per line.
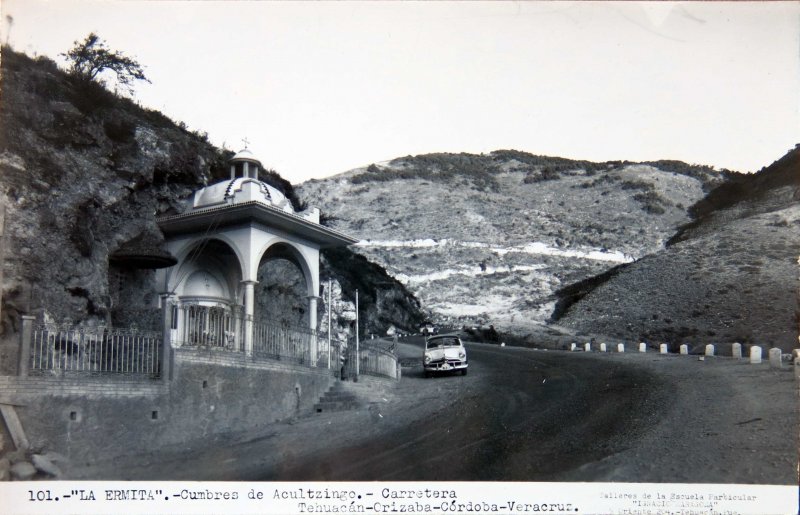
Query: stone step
x=338, y=397
x=327, y=407
x=342, y=396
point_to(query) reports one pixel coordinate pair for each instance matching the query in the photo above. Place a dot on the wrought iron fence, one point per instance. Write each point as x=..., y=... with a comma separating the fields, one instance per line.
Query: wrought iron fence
x=285, y=343
x=219, y=328
x=95, y=350
x=377, y=361
x=208, y=326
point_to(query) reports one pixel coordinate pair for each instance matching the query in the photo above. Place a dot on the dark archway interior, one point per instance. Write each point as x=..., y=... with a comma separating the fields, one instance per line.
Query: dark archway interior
x=281, y=292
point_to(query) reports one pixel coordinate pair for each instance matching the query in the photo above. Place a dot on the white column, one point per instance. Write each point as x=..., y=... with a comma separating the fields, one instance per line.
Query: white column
x=249, y=311
x=312, y=323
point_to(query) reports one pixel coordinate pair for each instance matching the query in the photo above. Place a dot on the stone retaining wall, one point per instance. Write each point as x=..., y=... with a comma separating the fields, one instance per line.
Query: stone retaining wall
x=212, y=396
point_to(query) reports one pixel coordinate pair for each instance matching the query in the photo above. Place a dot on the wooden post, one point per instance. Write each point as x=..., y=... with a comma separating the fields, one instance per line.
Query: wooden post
x=25, y=339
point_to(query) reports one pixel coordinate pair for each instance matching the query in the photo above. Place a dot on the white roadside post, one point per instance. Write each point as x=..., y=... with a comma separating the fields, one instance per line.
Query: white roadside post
x=602, y=347
x=736, y=350
x=755, y=354
x=710, y=349
x=775, y=357
x=620, y=347
x=663, y=348
x=796, y=361
x=642, y=347
x=572, y=347
x=587, y=347
x=684, y=349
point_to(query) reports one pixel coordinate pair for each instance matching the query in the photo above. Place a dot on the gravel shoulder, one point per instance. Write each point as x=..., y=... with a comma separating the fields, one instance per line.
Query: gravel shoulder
x=728, y=422
x=565, y=417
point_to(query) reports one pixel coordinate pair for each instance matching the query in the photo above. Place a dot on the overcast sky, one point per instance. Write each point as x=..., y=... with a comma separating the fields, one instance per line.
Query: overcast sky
x=319, y=88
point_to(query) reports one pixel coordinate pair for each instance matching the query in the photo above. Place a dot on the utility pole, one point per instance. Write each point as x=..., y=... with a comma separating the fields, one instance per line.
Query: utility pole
x=358, y=356
x=2, y=252
x=329, y=324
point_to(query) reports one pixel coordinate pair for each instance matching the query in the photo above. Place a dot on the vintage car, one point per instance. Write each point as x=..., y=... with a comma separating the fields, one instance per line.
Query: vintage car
x=444, y=353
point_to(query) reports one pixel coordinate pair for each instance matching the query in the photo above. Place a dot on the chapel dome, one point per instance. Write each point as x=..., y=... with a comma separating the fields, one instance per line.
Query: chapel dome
x=244, y=185
x=245, y=155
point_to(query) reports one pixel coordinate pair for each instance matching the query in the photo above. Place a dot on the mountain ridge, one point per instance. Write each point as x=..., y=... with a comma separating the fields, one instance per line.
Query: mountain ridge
x=448, y=222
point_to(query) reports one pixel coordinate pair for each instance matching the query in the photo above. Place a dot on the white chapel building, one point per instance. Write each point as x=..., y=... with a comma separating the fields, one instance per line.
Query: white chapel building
x=220, y=239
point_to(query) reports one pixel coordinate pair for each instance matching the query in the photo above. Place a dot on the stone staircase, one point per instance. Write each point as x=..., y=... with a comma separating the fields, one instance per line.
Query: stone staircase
x=340, y=397
x=345, y=396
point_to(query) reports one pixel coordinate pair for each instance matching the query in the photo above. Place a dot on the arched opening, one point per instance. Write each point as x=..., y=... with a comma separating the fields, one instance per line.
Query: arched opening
x=207, y=285
x=281, y=295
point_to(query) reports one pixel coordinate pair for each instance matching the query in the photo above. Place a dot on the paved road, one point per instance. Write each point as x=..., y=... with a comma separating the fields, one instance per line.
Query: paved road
x=523, y=415
x=518, y=415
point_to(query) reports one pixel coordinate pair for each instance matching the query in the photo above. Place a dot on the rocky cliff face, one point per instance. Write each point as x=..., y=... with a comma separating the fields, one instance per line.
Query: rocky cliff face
x=82, y=174
x=731, y=275
x=489, y=239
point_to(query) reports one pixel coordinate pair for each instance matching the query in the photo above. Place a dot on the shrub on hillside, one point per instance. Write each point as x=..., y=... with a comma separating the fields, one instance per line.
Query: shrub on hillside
x=441, y=167
x=651, y=202
x=548, y=173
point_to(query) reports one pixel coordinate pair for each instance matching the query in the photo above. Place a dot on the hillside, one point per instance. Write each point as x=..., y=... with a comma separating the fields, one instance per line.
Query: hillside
x=729, y=275
x=82, y=174
x=489, y=239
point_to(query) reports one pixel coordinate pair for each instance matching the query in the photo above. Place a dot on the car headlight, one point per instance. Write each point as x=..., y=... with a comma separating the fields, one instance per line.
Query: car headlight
x=427, y=358
x=462, y=355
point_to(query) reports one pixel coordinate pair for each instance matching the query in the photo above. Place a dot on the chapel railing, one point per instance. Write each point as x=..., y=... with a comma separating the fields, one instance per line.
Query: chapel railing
x=377, y=360
x=96, y=350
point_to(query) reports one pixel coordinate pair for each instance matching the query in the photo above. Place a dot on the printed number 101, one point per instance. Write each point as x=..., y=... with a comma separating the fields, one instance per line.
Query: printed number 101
x=40, y=495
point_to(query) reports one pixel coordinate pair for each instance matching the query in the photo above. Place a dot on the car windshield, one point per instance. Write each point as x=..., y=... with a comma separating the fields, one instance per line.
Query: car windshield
x=443, y=342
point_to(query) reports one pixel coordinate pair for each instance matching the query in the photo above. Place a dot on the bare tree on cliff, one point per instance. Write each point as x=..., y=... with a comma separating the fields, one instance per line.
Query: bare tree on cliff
x=91, y=57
